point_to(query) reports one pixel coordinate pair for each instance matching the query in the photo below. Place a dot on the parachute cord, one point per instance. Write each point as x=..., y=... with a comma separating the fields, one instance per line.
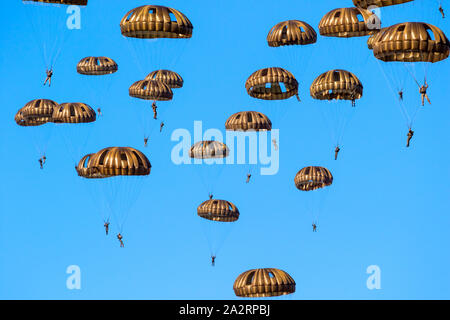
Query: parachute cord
x=37, y=37
x=133, y=50
x=402, y=108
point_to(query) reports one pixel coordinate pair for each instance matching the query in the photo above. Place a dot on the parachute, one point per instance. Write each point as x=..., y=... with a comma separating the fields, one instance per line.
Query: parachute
x=365, y=4
x=338, y=87
x=97, y=66
x=273, y=87
x=271, y=84
x=291, y=32
x=248, y=121
x=75, y=123
x=216, y=218
x=292, y=41
x=172, y=79
x=151, y=29
x=407, y=54
x=48, y=22
x=254, y=125
x=316, y=181
x=115, y=176
x=33, y=117
x=97, y=75
x=266, y=282
x=209, y=161
x=150, y=90
x=344, y=32
x=395, y=11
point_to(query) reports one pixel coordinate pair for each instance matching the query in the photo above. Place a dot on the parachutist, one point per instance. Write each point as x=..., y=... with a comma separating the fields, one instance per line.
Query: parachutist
x=441, y=10
x=275, y=145
x=314, y=227
x=49, y=74
x=213, y=260
x=400, y=95
x=145, y=141
x=155, y=110
x=248, y=177
x=336, y=152
x=423, y=92
x=42, y=161
x=99, y=112
x=410, y=135
x=161, y=126
x=298, y=97
x=210, y=196
x=106, y=225
x=119, y=236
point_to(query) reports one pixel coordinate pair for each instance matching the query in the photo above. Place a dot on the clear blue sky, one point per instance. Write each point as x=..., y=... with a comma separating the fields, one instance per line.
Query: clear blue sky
x=389, y=206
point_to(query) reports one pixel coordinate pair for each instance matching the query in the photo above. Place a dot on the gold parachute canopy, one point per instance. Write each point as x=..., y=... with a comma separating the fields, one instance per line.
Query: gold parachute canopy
x=85, y=168
x=313, y=178
x=374, y=38
x=266, y=84
x=349, y=22
x=365, y=4
x=266, y=282
x=218, y=210
x=248, y=121
x=115, y=161
x=73, y=113
x=209, y=149
x=37, y=111
x=96, y=66
x=291, y=32
x=150, y=21
x=411, y=42
x=32, y=122
x=171, y=78
x=336, y=85
x=151, y=90
x=65, y=2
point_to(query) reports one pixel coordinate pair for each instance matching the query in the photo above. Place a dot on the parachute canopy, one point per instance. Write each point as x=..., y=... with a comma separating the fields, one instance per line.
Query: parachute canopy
x=150, y=21
x=208, y=150
x=336, y=85
x=170, y=78
x=65, y=2
x=96, y=66
x=73, y=113
x=374, y=38
x=411, y=42
x=313, y=178
x=31, y=122
x=377, y=3
x=267, y=282
x=151, y=90
x=218, y=210
x=36, y=112
x=86, y=170
x=266, y=84
x=248, y=121
x=114, y=161
x=348, y=22
x=291, y=32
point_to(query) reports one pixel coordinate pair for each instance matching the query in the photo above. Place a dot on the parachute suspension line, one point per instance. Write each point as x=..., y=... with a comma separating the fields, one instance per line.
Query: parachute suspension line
x=38, y=42
x=47, y=22
x=131, y=47
x=400, y=103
